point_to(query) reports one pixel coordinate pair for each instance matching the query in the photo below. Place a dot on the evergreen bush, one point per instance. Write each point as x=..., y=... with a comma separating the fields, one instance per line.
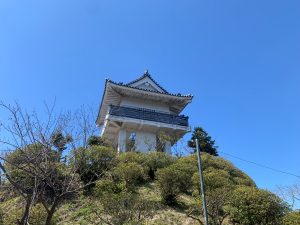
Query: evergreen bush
x=130, y=173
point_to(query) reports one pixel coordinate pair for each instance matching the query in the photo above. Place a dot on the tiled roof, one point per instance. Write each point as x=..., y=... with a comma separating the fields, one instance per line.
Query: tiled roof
x=146, y=74
x=137, y=88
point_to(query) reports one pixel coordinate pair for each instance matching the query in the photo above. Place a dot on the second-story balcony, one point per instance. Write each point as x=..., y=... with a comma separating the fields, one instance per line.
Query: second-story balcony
x=148, y=115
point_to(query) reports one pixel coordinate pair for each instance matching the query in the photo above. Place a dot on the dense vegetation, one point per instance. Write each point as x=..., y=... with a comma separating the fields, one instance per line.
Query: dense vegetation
x=55, y=174
x=134, y=188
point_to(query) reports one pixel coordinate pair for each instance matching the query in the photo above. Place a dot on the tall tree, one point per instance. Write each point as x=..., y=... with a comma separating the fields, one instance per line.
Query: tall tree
x=34, y=165
x=207, y=144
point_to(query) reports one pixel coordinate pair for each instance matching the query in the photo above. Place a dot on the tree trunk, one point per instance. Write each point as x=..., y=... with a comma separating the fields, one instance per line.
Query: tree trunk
x=25, y=217
x=51, y=212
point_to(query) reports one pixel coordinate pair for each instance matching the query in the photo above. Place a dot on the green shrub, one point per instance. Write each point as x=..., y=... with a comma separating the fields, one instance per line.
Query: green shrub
x=171, y=181
x=213, y=179
x=11, y=217
x=168, y=183
x=107, y=186
x=176, y=178
x=1, y=217
x=125, y=208
x=252, y=206
x=182, y=175
x=189, y=163
x=218, y=187
x=95, y=140
x=38, y=216
x=130, y=173
x=132, y=157
x=92, y=163
x=150, y=162
x=17, y=164
x=213, y=164
x=292, y=218
x=157, y=160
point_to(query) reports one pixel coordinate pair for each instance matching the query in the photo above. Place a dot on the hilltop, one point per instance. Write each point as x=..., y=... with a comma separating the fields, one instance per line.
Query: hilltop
x=154, y=188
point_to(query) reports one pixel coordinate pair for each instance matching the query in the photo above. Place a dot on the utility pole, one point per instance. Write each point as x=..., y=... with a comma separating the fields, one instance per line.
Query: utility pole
x=202, y=183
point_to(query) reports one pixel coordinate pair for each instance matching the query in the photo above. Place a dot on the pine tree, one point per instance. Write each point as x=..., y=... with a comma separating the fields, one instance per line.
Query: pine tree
x=205, y=141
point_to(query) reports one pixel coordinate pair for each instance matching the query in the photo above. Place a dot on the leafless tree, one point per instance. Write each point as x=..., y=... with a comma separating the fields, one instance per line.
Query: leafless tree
x=42, y=151
x=291, y=194
x=179, y=145
x=82, y=126
x=180, y=148
x=19, y=132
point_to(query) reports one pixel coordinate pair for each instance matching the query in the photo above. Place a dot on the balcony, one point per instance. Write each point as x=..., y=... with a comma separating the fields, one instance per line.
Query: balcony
x=149, y=115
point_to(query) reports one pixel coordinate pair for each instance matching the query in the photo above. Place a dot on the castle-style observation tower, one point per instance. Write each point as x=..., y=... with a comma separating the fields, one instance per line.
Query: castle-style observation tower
x=133, y=116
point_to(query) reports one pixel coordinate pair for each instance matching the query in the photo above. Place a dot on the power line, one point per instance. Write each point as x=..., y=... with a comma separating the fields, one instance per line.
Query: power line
x=261, y=165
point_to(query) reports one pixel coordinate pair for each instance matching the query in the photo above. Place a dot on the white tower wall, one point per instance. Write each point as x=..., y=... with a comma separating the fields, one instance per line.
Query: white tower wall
x=145, y=141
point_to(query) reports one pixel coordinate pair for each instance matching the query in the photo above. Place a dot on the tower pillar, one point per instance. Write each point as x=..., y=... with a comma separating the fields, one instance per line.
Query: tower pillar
x=122, y=141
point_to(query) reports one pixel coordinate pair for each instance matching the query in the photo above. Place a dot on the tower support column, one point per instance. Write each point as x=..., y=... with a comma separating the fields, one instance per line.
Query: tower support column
x=122, y=141
x=168, y=147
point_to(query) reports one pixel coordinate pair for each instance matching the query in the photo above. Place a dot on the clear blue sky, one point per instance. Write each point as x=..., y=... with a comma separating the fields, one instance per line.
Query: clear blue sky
x=240, y=59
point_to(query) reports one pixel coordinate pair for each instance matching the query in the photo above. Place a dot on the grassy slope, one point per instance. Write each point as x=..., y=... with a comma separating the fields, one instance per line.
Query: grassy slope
x=79, y=212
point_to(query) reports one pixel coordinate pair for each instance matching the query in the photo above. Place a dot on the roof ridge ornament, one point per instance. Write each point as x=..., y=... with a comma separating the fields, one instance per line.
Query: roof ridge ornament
x=146, y=73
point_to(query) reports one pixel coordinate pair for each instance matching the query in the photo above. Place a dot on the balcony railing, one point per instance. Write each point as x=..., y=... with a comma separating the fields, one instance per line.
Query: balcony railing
x=149, y=115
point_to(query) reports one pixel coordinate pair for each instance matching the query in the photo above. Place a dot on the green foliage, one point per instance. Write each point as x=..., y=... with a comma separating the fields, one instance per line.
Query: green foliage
x=37, y=216
x=172, y=180
x=93, y=162
x=125, y=208
x=213, y=165
x=12, y=215
x=218, y=193
x=22, y=170
x=107, y=186
x=150, y=162
x=182, y=174
x=85, y=212
x=96, y=140
x=37, y=170
x=161, y=140
x=157, y=160
x=188, y=164
x=215, y=179
x=62, y=175
x=231, y=194
x=130, y=173
x=7, y=191
x=220, y=177
x=135, y=157
x=217, y=202
x=252, y=206
x=168, y=183
x=218, y=185
x=207, y=144
x=59, y=141
x=292, y=218
x=1, y=217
